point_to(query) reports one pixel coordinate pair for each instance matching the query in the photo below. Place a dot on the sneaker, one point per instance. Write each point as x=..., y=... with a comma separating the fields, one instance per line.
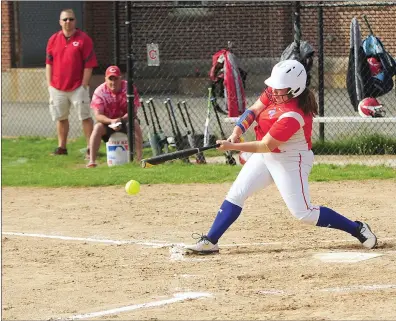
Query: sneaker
x=91, y=165
x=365, y=236
x=203, y=246
x=60, y=151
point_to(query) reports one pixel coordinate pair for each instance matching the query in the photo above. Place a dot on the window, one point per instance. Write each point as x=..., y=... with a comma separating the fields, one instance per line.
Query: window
x=190, y=8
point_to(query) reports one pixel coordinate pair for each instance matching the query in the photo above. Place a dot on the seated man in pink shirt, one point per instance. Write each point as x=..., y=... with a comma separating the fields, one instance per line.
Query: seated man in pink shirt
x=109, y=103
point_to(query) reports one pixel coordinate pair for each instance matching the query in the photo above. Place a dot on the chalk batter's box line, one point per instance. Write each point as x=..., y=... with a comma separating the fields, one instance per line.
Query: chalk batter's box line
x=159, y=244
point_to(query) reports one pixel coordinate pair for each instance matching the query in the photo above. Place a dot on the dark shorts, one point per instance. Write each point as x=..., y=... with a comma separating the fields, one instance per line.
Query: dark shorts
x=110, y=131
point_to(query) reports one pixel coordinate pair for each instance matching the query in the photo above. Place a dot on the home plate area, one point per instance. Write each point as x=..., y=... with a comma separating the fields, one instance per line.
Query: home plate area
x=345, y=257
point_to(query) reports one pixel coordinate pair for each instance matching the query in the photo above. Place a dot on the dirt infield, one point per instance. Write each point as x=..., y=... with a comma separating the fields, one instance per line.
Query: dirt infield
x=114, y=258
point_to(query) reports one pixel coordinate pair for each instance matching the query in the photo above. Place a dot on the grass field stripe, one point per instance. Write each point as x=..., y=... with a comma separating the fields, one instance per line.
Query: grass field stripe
x=177, y=298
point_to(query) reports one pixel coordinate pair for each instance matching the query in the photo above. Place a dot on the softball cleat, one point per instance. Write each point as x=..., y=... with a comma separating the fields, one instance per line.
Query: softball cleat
x=203, y=246
x=365, y=236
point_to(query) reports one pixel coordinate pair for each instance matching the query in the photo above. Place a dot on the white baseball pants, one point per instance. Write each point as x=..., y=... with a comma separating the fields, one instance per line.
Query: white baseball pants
x=289, y=171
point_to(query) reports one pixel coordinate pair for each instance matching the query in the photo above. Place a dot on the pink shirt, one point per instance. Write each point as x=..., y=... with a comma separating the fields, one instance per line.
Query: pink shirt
x=285, y=122
x=113, y=105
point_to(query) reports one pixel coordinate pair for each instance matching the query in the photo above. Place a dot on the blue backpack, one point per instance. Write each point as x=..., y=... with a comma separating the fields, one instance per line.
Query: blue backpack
x=382, y=83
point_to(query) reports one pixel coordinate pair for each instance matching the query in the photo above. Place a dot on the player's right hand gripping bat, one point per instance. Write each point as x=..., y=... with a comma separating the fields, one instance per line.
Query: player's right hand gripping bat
x=185, y=153
x=199, y=157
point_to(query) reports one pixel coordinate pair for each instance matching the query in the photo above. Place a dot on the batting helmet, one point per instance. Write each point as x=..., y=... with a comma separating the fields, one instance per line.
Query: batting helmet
x=288, y=74
x=370, y=107
x=374, y=65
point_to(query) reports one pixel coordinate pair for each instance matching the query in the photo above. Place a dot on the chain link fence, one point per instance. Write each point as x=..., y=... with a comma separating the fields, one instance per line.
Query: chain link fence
x=186, y=34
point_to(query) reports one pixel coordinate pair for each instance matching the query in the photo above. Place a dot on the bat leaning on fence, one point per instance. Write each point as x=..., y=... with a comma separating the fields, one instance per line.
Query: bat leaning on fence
x=199, y=157
x=185, y=153
x=230, y=160
x=161, y=134
x=175, y=128
x=152, y=136
x=207, y=120
x=178, y=135
x=171, y=122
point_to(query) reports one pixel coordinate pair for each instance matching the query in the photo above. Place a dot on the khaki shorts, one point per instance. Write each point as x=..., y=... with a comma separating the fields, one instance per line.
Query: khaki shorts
x=61, y=101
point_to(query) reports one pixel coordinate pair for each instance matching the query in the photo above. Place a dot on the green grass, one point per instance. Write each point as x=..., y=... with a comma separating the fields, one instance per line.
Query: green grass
x=26, y=161
x=358, y=145
x=326, y=173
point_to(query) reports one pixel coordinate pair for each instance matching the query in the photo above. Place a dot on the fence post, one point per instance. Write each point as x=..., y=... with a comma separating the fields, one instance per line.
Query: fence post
x=321, y=70
x=130, y=93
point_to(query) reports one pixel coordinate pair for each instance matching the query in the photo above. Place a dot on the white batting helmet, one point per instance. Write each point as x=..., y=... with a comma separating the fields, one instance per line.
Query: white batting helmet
x=370, y=107
x=288, y=74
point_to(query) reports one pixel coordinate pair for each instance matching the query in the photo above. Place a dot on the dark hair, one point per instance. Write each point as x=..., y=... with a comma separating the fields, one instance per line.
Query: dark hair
x=307, y=102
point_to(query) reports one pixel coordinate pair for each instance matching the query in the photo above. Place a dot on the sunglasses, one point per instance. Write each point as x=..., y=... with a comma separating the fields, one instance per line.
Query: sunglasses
x=70, y=19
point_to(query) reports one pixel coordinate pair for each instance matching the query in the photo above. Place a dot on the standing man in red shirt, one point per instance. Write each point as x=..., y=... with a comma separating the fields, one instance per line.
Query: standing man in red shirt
x=69, y=63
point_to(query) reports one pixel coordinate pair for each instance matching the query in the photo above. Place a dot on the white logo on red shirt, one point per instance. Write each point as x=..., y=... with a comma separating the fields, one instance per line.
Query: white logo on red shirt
x=271, y=113
x=76, y=43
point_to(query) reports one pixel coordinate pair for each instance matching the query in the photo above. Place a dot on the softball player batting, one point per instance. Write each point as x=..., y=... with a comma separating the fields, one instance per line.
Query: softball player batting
x=281, y=155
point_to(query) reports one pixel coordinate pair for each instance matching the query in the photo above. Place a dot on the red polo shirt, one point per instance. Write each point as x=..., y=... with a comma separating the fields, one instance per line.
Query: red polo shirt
x=69, y=58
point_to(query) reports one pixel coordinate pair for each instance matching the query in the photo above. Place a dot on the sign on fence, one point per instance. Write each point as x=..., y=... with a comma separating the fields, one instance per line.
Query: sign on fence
x=153, y=54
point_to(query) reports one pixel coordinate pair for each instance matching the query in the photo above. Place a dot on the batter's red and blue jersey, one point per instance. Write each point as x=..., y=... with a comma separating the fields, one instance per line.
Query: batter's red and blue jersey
x=285, y=122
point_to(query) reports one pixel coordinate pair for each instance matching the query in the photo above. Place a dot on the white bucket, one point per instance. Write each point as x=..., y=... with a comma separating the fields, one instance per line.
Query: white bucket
x=117, y=149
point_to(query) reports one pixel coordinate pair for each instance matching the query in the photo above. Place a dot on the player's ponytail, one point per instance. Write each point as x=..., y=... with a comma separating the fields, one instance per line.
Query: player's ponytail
x=307, y=102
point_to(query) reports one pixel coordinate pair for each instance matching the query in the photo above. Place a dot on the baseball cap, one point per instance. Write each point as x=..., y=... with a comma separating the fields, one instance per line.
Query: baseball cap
x=113, y=71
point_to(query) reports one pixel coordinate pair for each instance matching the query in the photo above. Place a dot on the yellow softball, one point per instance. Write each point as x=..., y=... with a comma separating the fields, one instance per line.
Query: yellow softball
x=132, y=187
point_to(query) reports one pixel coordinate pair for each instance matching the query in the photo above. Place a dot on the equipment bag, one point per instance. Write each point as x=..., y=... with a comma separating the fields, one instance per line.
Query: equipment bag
x=377, y=69
x=228, y=81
